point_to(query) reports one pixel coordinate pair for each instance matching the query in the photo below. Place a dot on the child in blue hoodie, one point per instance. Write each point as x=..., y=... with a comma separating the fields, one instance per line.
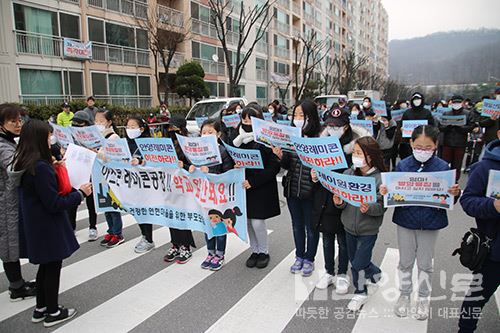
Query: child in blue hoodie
x=418, y=227
x=486, y=210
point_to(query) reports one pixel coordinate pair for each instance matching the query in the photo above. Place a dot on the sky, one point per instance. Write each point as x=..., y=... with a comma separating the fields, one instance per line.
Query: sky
x=416, y=18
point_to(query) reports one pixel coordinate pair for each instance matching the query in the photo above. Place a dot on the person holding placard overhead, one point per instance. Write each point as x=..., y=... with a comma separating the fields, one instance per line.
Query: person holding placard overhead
x=455, y=136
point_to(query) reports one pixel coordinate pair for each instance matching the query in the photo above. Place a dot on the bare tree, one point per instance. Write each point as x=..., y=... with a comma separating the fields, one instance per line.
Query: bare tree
x=347, y=71
x=258, y=17
x=326, y=69
x=165, y=33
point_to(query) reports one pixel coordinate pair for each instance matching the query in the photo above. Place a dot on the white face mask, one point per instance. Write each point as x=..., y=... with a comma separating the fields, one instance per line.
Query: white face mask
x=133, y=133
x=100, y=127
x=270, y=110
x=417, y=102
x=456, y=106
x=366, y=105
x=358, y=162
x=354, y=113
x=335, y=131
x=422, y=155
x=299, y=123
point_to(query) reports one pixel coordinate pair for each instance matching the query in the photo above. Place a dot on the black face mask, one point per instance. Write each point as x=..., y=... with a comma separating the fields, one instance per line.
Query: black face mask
x=247, y=128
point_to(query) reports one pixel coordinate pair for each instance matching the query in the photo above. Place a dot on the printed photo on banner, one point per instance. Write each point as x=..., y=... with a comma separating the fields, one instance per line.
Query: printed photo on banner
x=428, y=189
x=231, y=120
x=200, y=121
x=272, y=134
x=157, y=152
x=366, y=124
x=397, y=115
x=200, y=151
x=493, y=189
x=491, y=108
x=117, y=150
x=63, y=135
x=447, y=120
x=379, y=107
x=79, y=161
x=410, y=125
x=89, y=136
x=245, y=158
x=268, y=116
x=353, y=189
x=320, y=153
x=213, y=204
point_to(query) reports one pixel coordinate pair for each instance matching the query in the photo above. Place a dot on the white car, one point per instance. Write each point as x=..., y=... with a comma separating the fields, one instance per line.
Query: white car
x=210, y=108
x=329, y=99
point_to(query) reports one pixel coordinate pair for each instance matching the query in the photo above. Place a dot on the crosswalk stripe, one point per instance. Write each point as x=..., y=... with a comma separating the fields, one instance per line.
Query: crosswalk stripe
x=143, y=300
x=85, y=270
x=497, y=298
x=377, y=314
x=273, y=302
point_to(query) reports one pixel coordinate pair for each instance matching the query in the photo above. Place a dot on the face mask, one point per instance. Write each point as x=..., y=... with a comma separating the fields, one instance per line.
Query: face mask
x=247, y=128
x=205, y=135
x=456, y=106
x=403, y=106
x=366, y=105
x=133, y=133
x=101, y=128
x=53, y=140
x=422, y=155
x=354, y=113
x=299, y=123
x=238, y=110
x=417, y=102
x=270, y=110
x=335, y=131
x=358, y=162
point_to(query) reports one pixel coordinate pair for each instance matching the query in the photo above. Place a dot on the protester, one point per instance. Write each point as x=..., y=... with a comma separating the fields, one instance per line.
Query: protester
x=228, y=133
x=356, y=112
x=384, y=131
x=90, y=109
x=282, y=109
x=64, y=118
x=46, y=233
x=489, y=124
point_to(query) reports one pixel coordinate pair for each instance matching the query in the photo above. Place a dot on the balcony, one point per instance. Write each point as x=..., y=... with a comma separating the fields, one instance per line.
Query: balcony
x=49, y=99
x=309, y=17
x=127, y=7
x=176, y=62
x=297, y=32
x=119, y=55
x=126, y=100
x=39, y=44
x=72, y=1
x=282, y=52
x=171, y=16
x=284, y=3
x=261, y=75
x=203, y=28
x=297, y=8
x=232, y=38
x=212, y=67
x=282, y=27
x=261, y=47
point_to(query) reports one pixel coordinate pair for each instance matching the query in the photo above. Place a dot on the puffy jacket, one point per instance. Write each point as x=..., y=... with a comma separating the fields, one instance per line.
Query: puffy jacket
x=456, y=136
x=325, y=216
x=297, y=182
x=475, y=202
x=417, y=217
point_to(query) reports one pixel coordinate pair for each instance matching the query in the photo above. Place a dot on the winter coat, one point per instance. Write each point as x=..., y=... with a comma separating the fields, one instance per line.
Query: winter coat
x=297, y=182
x=456, y=136
x=325, y=216
x=385, y=135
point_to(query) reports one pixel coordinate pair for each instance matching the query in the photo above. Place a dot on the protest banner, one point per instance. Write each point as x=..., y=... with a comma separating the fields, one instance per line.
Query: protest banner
x=366, y=124
x=245, y=158
x=200, y=151
x=88, y=136
x=271, y=134
x=232, y=120
x=200, y=121
x=320, y=153
x=397, y=115
x=116, y=150
x=427, y=107
x=79, y=161
x=379, y=108
x=428, y=189
x=493, y=189
x=157, y=152
x=448, y=120
x=442, y=109
x=286, y=122
x=268, y=116
x=77, y=50
x=173, y=197
x=63, y=135
x=491, y=108
x=410, y=125
x=353, y=189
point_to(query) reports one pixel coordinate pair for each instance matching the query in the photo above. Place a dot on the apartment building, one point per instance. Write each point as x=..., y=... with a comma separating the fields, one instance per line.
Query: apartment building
x=45, y=56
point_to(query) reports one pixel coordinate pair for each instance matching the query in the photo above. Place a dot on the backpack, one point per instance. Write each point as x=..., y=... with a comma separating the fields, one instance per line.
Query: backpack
x=474, y=249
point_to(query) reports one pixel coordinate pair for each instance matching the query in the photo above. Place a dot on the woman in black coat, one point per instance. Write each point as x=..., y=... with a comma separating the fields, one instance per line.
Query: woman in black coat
x=46, y=233
x=262, y=190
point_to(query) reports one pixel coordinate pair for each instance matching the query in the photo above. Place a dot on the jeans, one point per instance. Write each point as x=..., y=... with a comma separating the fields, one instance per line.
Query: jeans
x=360, y=250
x=304, y=233
x=216, y=245
x=47, y=286
x=329, y=252
x=115, y=223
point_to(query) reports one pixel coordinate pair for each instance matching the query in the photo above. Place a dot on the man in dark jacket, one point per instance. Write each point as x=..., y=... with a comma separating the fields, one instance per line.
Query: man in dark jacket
x=91, y=110
x=476, y=203
x=455, y=136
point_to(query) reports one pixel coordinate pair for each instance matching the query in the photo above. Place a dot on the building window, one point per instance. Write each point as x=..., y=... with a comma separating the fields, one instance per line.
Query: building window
x=40, y=82
x=99, y=84
x=240, y=91
x=260, y=64
x=281, y=68
x=70, y=26
x=116, y=34
x=120, y=85
x=35, y=20
x=261, y=92
x=73, y=83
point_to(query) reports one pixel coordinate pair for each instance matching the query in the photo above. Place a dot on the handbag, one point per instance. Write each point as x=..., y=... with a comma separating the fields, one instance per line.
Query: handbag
x=63, y=183
x=474, y=249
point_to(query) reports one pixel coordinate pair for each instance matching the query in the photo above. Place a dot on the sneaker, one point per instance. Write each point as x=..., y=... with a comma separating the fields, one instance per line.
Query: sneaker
x=93, y=235
x=262, y=260
x=206, y=263
x=106, y=239
x=144, y=246
x=184, y=255
x=371, y=287
x=115, y=241
x=39, y=316
x=325, y=281
x=297, y=265
x=172, y=253
x=342, y=285
x=402, y=306
x=422, y=309
x=357, y=302
x=28, y=290
x=64, y=314
x=308, y=268
x=252, y=261
x=216, y=263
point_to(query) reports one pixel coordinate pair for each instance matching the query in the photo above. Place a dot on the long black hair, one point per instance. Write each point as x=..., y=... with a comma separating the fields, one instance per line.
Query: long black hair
x=33, y=146
x=426, y=130
x=231, y=214
x=311, y=117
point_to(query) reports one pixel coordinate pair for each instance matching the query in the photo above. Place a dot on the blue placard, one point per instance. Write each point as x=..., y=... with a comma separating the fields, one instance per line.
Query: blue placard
x=397, y=115
x=286, y=122
x=493, y=189
x=352, y=189
x=491, y=108
x=157, y=152
x=268, y=116
x=200, y=121
x=245, y=158
x=449, y=120
x=379, y=107
x=410, y=125
x=200, y=151
x=88, y=137
x=366, y=124
x=231, y=120
x=320, y=153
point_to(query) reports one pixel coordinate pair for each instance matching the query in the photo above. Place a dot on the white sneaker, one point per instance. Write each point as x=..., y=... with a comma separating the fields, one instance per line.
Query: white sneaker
x=422, y=309
x=325, y=281
x=371, y=287
x=402, y=306
x=342, y=285
x=144, y=246
x=357, y=302
x=93, y=235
